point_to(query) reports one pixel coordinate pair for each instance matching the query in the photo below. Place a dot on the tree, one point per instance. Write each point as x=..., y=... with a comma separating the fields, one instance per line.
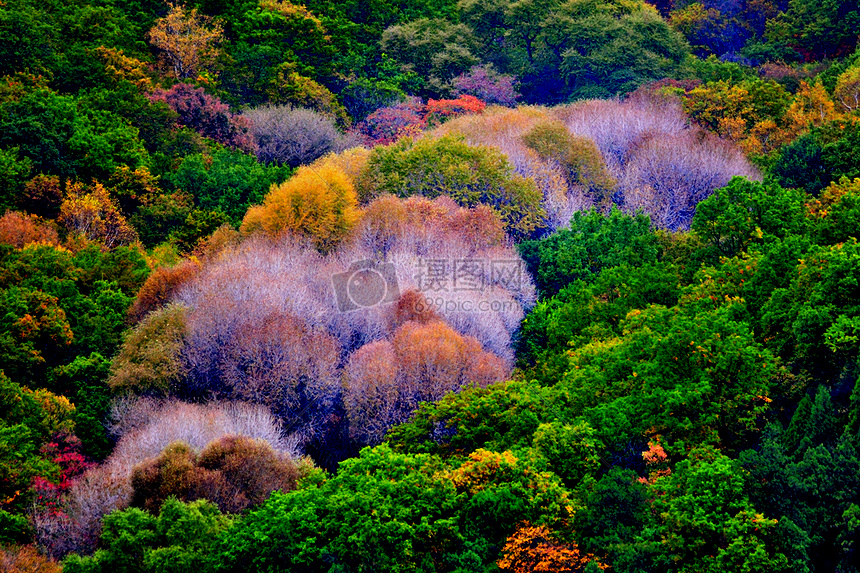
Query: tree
x=290, y=136
x=435, y=48
x=816, y=30
x=707, y=523
x=531, y=549
x=578, y=156
x=590, y=244
x=488, y=85
x=386, y=381
x=315, y=203
x=187, y=39
x=206, y=114
x=227, y=181
x=180, y=538
x=470, y=175
x=14, y=170
x=19, y=229
x=149, y=360
x=847, y=90
x=93, y=215
x=234, y=472
x=746, y=212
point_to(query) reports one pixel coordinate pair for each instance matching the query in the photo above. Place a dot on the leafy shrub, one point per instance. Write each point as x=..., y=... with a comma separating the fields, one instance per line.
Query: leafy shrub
x=578, y=156
x=227, y=181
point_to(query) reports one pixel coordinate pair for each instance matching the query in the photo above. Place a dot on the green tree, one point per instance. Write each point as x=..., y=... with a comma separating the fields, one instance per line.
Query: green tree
x=179, y=540
x=745, y=213
x=468, y=174
x=706, y=522
x=590, y=244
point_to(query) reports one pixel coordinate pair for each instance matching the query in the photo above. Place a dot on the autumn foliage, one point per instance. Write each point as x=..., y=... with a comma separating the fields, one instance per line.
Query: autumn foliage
x=316, y=203
x=533, y=549
x=234, y=472
x=187, y=40
x=19, y=229
x=423, y=361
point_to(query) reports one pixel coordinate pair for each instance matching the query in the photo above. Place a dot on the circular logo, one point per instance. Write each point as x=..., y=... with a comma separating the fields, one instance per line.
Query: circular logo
x=366, y=287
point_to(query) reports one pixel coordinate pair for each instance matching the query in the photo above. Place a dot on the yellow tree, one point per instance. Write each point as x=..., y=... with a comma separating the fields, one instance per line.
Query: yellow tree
x=534, y=548
x=847, y=90
x=187, y=39
x=318, y=203
x=811, y=107
x=92, y=214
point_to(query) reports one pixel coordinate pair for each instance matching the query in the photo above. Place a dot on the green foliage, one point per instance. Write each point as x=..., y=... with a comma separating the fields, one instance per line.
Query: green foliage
x=824, y=155
x=580, y=313
x=28, y=419
x=808, y=480
x=470, y=175
x=613, y=48
x=396, y=512
x=14, y=170
x=699, y=378
x=817, y=30
x=707, y=523
x=591, y=243
x=84, y=380
x=745, y=213
x=59, y=138
x=615, y=514
x=228, y=181
x=573, y=451
x=179, y=540
x=812, y=322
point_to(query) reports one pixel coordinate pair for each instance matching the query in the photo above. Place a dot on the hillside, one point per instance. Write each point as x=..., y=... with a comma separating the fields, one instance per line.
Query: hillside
x=475, y=285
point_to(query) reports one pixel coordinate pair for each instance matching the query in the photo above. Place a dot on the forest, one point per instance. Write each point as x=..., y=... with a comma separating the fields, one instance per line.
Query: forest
x=463, y=286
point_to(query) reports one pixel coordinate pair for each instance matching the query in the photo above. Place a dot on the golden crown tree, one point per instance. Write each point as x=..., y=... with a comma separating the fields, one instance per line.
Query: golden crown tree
x=318, y=203
x=188, y=40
